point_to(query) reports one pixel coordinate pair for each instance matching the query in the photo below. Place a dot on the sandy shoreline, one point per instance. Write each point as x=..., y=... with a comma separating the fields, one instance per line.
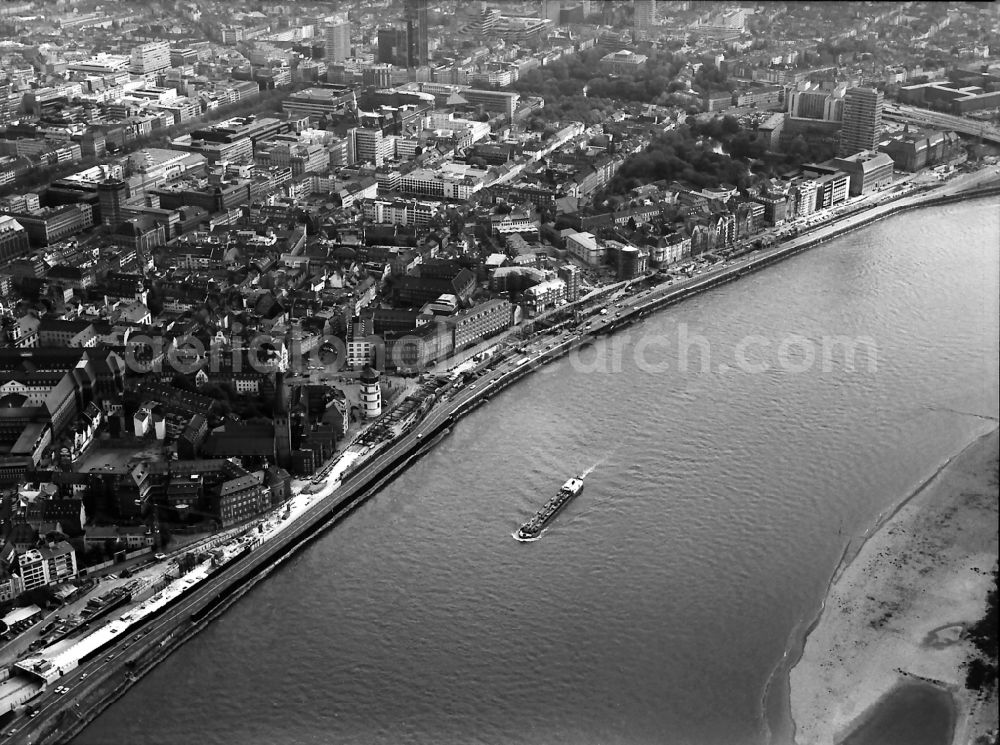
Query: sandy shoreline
x=896, y=611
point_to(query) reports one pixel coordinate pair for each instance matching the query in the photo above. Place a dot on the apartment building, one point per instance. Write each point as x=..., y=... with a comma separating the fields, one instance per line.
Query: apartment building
x=547, y=294
x=481, y=322
x=46, y=565
x=150, y=58
x=585, y=247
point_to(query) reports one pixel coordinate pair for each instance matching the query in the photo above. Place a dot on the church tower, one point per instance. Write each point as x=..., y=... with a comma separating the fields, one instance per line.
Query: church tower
x=282, y=424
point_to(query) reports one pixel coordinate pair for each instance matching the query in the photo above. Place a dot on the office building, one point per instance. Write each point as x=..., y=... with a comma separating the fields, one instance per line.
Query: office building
x=393, y=46
x=502, y=101
x=381, y=75
x=644, y=18
x=415, y=15
x=150, y=58
x=956, y=98
x=807, y=104
x=369, y=145
x=14, y=241
x=320, y=101
x=807, y=101
x=51, y=224
x=449, y=181
x=485, y=22
x=521, y=30
x=862, y=123
x=101, y=64
x=869, y=171
x=832, y=184
x=338, y=41
x=111, y=196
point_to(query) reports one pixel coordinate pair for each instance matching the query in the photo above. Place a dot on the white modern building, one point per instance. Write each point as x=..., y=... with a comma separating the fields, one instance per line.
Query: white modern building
x=448, y=181
x=101, y=64
x=43, y=566
x=547, y=294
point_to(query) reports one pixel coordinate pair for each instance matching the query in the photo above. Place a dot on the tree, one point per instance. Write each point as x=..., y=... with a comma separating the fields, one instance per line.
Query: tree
x=980, y=675
x=93, y=555
x=678, y=154
x=184, y=383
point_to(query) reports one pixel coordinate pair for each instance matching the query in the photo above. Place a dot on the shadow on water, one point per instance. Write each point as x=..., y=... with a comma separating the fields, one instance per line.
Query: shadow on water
x=911, y=714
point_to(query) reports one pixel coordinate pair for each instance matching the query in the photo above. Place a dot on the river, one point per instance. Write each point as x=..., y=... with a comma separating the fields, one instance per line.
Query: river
x=664, y=603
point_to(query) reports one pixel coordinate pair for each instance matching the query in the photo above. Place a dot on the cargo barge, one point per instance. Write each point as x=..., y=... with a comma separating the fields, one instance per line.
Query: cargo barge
x=532, y=529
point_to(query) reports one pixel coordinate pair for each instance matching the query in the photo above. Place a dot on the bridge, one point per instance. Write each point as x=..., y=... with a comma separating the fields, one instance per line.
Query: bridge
x=927, y=118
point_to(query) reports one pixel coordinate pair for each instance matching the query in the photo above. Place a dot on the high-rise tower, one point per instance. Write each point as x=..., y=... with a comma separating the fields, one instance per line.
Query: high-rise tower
x=393, y=46
x=338, y=41
x=111, y=196
x=415, y=15
x=862, y=122
x=644, y=16
x=551, y=9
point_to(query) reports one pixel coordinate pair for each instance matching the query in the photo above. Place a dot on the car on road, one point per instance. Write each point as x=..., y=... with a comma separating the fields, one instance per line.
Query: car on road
x=84, y=676
x=160, y=557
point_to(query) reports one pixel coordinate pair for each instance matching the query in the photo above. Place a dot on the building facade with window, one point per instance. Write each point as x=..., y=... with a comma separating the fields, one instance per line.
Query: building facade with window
x=48, y=564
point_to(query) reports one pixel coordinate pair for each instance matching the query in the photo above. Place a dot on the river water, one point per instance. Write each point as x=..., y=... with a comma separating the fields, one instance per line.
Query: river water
x=664, y=603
